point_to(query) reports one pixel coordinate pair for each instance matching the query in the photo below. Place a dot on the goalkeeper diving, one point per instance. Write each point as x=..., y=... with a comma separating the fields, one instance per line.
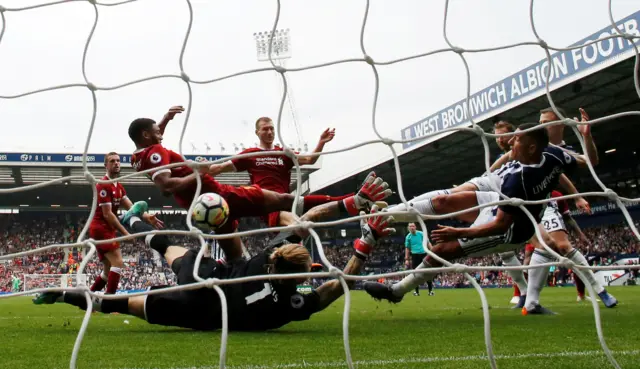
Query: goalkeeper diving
x=252, y=306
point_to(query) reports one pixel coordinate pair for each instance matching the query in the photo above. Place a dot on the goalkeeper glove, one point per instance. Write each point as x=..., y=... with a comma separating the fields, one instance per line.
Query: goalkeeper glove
x=373, y=229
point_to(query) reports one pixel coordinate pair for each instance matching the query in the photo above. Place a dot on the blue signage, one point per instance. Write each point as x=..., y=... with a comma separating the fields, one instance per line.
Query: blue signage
x=92, y=159
x=529, y=80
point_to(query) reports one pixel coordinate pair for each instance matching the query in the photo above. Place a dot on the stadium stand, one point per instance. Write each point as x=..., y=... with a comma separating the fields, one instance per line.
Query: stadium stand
x=30, y=230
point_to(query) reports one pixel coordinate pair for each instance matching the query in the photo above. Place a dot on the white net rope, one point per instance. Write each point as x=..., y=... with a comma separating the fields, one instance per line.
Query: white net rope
x=333, y=271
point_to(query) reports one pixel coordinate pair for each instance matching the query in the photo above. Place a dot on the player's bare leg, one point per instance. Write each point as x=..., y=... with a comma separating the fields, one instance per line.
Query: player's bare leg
x=114, y=258
x=441, y=202
x=373, y=191
x=451, y=250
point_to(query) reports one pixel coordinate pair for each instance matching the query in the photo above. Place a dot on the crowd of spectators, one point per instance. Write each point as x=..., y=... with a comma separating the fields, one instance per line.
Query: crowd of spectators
x=143, y=267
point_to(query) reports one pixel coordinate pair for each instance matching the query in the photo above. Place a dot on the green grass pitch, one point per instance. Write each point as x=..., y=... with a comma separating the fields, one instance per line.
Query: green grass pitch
x=441, y=331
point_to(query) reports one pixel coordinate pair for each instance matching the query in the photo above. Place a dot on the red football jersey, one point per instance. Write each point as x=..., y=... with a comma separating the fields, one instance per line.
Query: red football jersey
x=108, y=194
x=271, y=172
x=563, y=206
x=156, y=155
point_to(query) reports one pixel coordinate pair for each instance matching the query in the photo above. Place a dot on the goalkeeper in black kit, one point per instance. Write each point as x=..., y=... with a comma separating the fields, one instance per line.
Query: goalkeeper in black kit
x=252, y=306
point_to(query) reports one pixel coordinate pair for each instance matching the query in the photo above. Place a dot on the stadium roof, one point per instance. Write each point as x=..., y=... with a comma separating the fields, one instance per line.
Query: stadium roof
x=604, y=87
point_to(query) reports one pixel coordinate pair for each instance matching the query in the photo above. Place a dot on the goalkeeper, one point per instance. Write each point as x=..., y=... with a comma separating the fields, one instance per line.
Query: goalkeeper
x=15, y=284
x=252, y=306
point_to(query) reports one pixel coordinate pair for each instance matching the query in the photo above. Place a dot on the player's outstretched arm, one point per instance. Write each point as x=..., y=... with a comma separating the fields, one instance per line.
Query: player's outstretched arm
x=592, y=150
x=215, y=169
x=570, y=189
x=168, y=184
x=169, y=116
x=498, y=226
x=580, y=160
x=504, y=159
x=373, y=229
x=325, y=137
x=112, y=219
x=574, y=227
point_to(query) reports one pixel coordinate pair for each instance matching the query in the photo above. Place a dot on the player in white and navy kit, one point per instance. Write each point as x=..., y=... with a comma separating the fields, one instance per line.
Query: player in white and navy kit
x=558, y=239
x=558, y=235
x=532, y=176
x=483, y=183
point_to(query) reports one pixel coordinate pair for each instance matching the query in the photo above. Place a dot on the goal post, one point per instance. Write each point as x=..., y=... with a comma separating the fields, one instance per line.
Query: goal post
x=34, y=281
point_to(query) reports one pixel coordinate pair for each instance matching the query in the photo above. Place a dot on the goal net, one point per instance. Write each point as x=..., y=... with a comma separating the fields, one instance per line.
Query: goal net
x=370, y=62
x=42, y=281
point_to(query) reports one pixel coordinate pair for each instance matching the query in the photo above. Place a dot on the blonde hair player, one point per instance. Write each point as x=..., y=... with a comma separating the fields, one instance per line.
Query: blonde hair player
x=252, y=306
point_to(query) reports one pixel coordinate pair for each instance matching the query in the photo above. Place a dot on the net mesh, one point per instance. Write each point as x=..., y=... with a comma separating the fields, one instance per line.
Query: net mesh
x=82, y=240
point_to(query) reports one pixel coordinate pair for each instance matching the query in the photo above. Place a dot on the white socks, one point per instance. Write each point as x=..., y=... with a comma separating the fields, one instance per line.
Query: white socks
x=133, y=220
x=510, y=259
x=430, y=195
x=411, y=281
x=537, y=277
x=577, y=257
x=421, y=203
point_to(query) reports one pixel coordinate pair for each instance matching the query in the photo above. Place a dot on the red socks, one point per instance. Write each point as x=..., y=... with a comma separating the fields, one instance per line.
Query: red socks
x=311, y=201
x=113, y=280
x=516, y=290
x=99, y=283
x=579, y=285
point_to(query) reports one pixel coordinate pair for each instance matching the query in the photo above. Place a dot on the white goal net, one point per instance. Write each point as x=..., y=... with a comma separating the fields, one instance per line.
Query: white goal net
x=41, y=281
x=367, y=61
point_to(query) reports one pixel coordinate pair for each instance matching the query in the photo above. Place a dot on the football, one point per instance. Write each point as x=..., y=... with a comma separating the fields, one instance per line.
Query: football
x=210, y=212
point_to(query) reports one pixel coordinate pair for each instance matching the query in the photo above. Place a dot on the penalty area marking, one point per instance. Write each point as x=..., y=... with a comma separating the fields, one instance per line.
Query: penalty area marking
x=435, y=359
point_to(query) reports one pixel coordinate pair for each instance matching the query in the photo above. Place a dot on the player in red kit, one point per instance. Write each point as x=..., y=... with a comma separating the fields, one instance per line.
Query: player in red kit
x=105, y=223
x=245, y=201
x=273, y=172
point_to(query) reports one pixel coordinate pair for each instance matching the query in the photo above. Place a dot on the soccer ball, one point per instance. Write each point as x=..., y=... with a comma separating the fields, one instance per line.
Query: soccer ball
x=210, y=212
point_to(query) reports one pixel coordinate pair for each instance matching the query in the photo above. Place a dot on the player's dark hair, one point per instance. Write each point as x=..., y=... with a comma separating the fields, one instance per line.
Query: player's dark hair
x=540, y=136
x=504, y=124
x=550, y=110
x=106, y=157
x=262, y=119
x=138, y=126
x=290, y=258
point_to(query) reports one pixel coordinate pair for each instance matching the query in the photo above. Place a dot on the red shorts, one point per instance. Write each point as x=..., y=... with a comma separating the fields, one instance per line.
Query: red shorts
x=104, y=234
x=529, y=248
x=243, y=201
x=272, y=219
